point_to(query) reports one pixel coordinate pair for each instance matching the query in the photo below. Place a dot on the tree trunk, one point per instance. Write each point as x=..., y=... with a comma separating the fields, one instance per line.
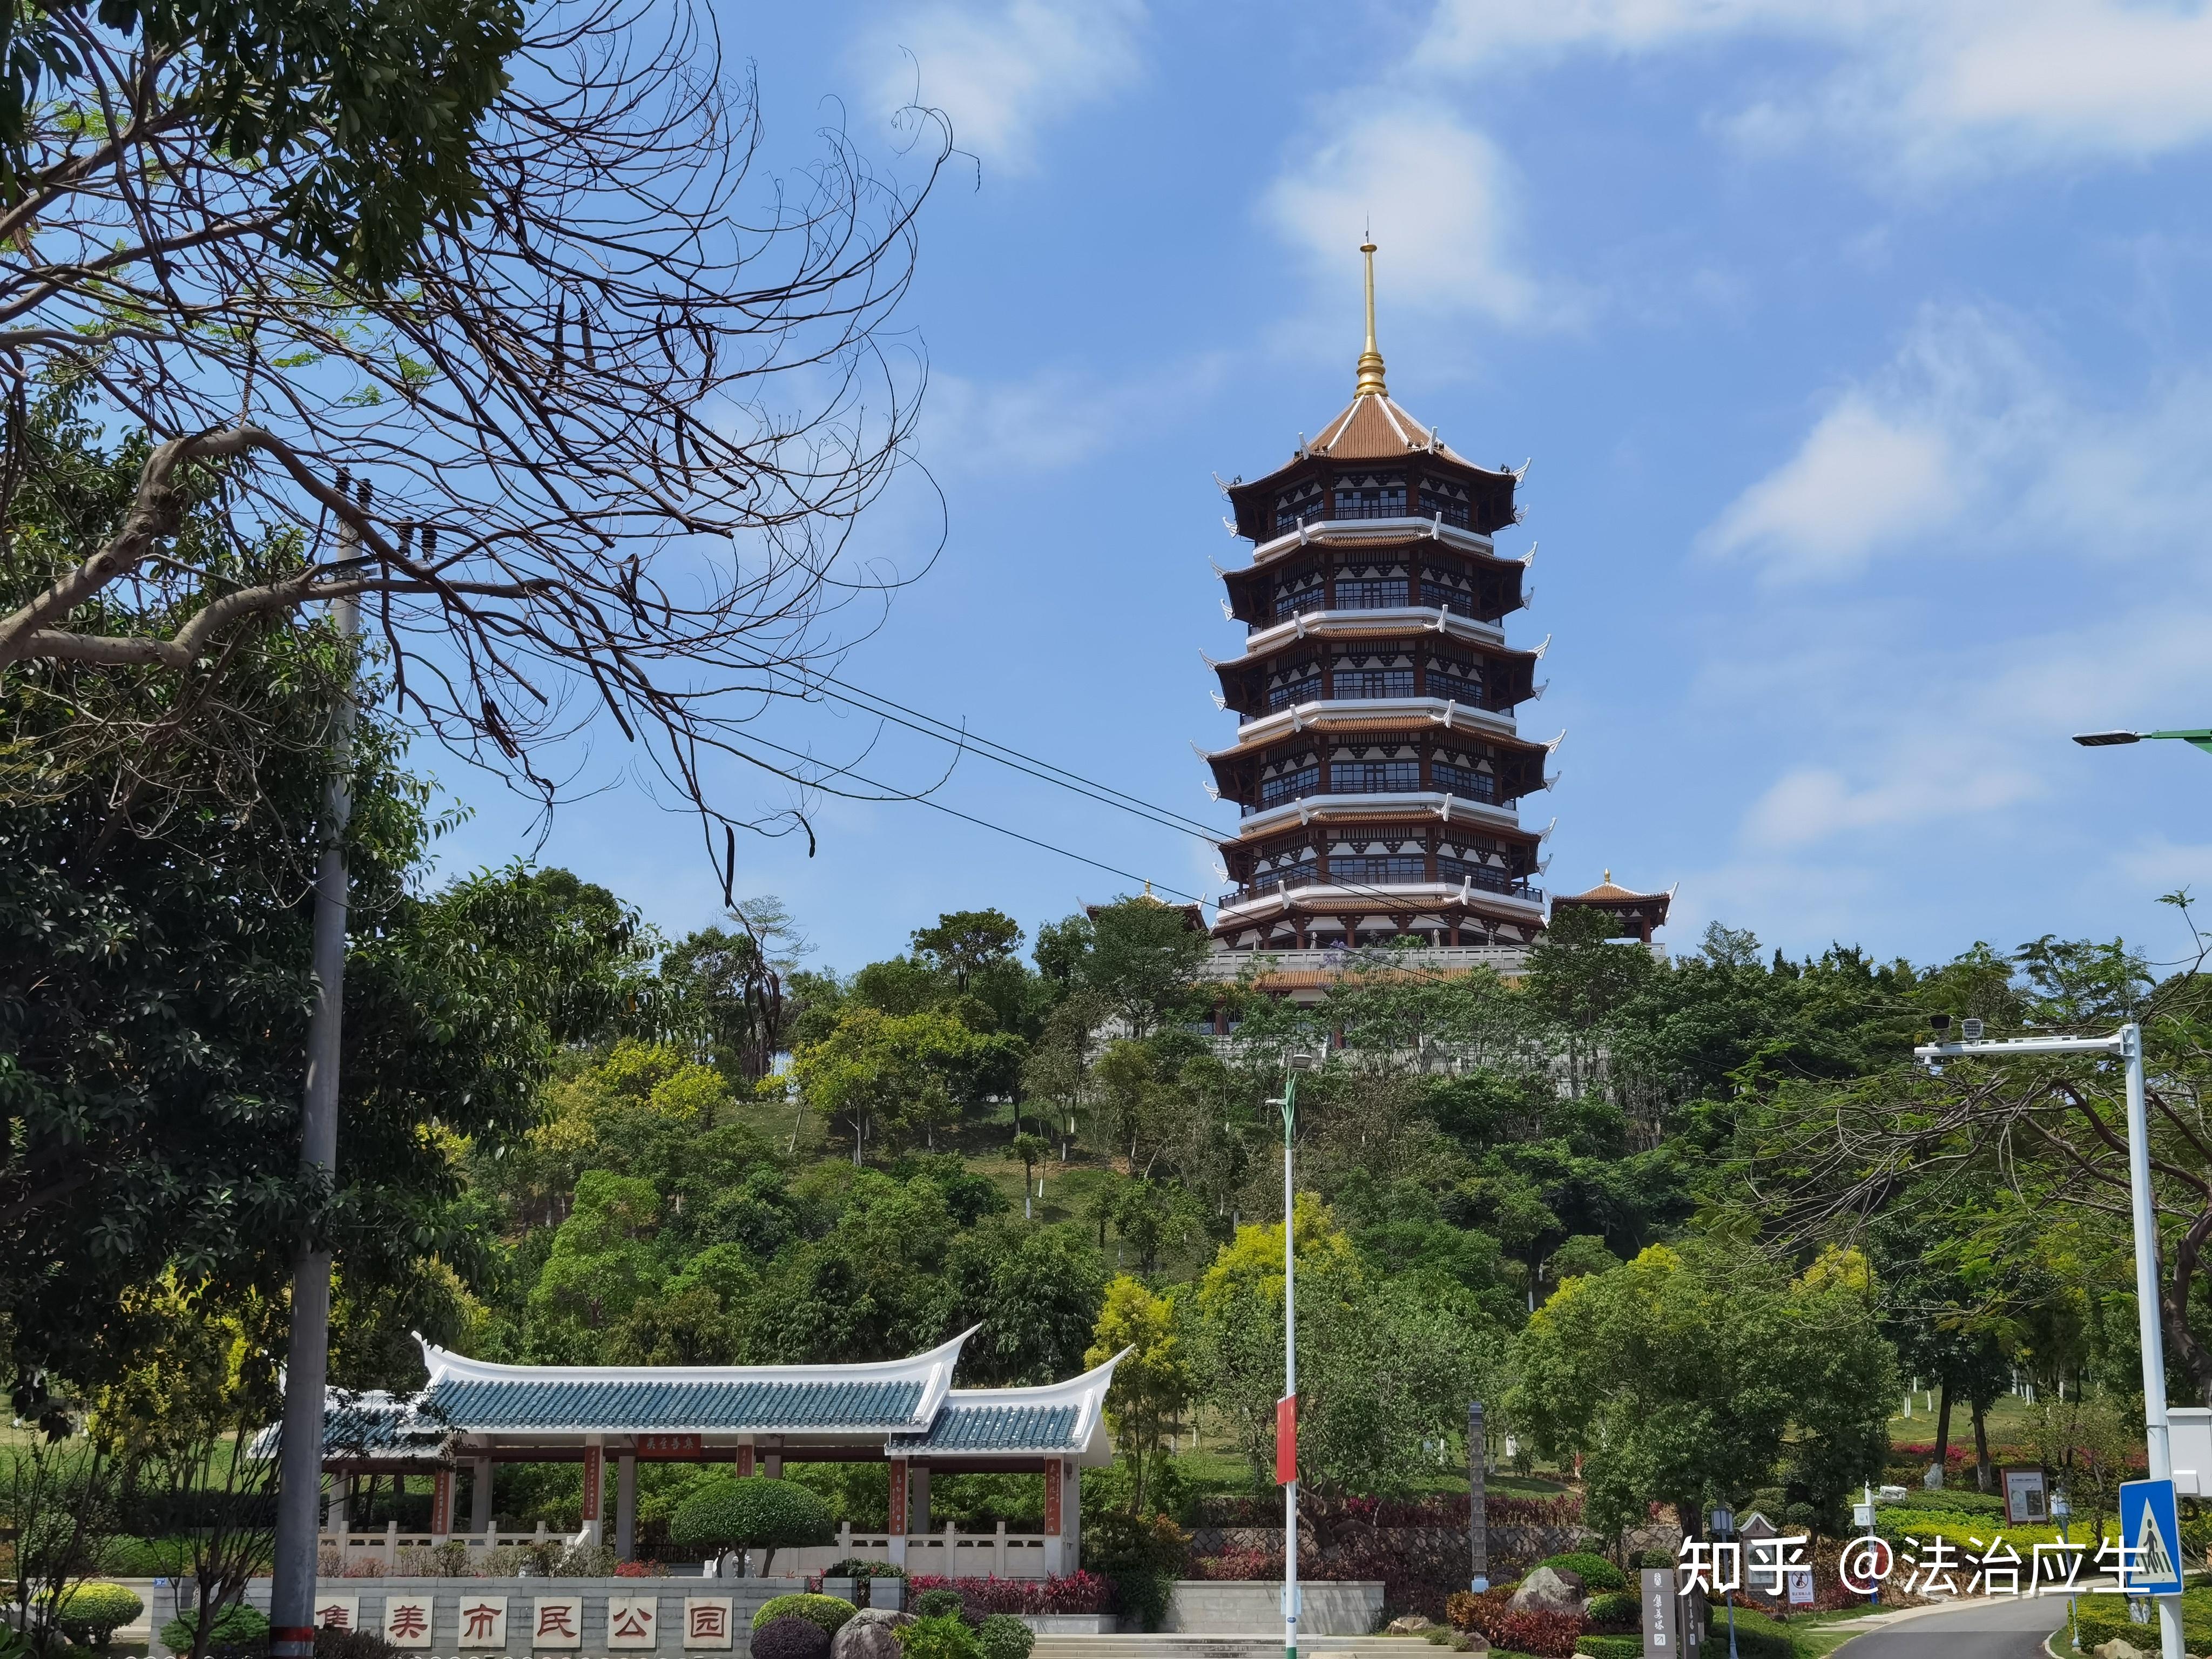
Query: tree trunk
x=1981, y=1445
x=1943, y=1435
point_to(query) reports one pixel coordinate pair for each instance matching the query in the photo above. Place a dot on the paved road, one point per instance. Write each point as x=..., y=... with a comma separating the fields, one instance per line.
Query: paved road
x=2008, y=1628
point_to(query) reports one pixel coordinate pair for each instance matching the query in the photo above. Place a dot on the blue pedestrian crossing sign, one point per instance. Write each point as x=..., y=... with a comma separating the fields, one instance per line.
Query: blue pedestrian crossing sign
x=2150, y=1536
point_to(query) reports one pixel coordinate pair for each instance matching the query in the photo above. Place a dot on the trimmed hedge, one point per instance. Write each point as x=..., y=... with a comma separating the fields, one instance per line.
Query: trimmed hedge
x=238, y=1629
x=1002, y=1635
x=2099, y=1618
x=938, y=1603
x=1611, y=1647
x=1596, y=1573
x=940, y=1637
x=830, y=1611
x=92, y=1613
x=1614, y=1610
x=791, y=1638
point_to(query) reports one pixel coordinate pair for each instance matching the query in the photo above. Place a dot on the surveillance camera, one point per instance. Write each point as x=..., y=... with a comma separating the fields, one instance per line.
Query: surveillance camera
x=1971, y=1030
x=1940, y=1023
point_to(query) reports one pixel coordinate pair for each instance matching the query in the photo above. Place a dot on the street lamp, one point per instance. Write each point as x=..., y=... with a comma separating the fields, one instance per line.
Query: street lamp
x=2125, y=1045
x=1286, y=1409
x=1723, y=1528
x=2197, y=739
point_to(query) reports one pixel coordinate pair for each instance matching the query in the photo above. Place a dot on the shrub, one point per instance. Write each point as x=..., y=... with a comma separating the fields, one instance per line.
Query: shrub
x=331, y=1643
x=790, y=1637
x=752, y=1513
x=2099, y=1618
x=1077, y=1592
x=936, y=1603
x=1614, y=1610
x=852, y=1567
x=1002, y=1635
x=238, y=1629
x=1145, y=1553
x=1460, y=1609
x=636, y=1570
x=940, y=1637
x=1547, y=1635
x=1596, y=1573
x=830, y=1612
x=1611, y=1647
x=92, y=1613
x=1658, y=1559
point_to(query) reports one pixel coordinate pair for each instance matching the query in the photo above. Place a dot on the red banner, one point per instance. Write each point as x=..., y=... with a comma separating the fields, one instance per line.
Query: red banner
x=592, y=1480
x=442, y=1501
x=1054, y=1480
x=1287, y=1440
x=897, y=1505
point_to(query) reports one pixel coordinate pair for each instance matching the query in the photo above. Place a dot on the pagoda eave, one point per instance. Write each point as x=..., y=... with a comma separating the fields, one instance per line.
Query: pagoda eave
x=1378, y=809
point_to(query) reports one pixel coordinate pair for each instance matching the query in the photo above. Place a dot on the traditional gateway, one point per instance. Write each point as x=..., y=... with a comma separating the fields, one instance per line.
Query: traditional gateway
x=1379, y=766
x=473, y=1415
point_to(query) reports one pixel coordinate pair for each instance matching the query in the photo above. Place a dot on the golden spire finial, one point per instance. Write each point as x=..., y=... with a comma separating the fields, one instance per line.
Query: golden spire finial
x=1370, y=361
x=1609, y=877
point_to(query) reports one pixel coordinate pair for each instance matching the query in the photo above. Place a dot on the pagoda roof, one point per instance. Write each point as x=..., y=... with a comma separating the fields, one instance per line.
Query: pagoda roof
x=1610, y=892
x=1373, y=427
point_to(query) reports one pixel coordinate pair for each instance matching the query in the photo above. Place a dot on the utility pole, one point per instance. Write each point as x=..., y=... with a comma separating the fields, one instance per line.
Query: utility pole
x=1286, y=1409
x=306, y=1366
x=2124, y=1045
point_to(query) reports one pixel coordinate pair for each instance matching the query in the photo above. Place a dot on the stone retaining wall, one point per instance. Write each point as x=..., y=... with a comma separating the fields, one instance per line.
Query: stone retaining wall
x=446, y=1597
x=1237, y=1606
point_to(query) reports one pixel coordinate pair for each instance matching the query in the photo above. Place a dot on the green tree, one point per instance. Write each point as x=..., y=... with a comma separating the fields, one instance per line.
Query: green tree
x=1676, y=1377
x=752, y=1513
x=1152, y=1384
x=965, y=943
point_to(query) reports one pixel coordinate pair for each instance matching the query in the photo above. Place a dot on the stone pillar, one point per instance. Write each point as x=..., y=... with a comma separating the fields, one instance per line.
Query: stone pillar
x=918, y=1500
x=1056, y=1487
x=1071, y=1516
x=481, y=1517
x=896, y=1520
x=625, y=1504
x=594, y=1474
x=442, y=1501
x=341, y=1517
x=1477, y=1519
x=772, y=1456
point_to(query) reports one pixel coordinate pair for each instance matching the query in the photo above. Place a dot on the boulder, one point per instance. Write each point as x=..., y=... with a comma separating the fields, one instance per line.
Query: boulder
x=2118, y=1648
x=870, y=1633
x=1411, y=1624
x=1549, y=1590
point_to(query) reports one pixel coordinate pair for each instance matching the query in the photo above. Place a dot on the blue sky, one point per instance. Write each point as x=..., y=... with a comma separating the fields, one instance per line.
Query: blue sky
x=1861, y=348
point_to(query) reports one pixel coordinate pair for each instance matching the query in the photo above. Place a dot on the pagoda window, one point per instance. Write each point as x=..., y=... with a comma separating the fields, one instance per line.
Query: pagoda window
x=1447, y=590
x=1373, y=682
x=1456, y=682
x=1463, y=781
x=1371, y=593
x=1299, y=506
x=1306, y=592
x=1449, y=500
x=1371, y=497
x=1374, y=777
x=1391, y=867
x=1488, y=876
x=1289, y=786
x=1305, y=689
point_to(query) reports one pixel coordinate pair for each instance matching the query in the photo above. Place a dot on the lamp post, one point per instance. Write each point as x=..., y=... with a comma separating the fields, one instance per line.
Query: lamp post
x=2126, y=1046
x=2197, y=737
x=1286, y=1411
x=1723, y=1527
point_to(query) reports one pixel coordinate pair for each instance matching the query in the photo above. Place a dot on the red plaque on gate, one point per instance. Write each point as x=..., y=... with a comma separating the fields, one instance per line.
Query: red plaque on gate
x=667, y=1445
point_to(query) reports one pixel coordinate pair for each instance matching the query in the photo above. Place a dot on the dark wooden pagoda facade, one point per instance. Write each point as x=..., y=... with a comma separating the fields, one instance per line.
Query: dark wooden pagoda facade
x=1379, y=766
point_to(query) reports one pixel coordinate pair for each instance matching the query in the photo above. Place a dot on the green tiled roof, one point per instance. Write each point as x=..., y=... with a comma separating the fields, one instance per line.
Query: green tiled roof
x=961, y=1427
x=627, y=1406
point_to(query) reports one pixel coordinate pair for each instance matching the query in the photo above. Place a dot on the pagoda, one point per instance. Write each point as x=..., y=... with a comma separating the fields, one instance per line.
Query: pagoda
x=1377, y=766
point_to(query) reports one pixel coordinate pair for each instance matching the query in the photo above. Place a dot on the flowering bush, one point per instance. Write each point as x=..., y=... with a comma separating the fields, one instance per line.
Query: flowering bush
x=640, y=1570
x=1548, y=1635
x=1076, y=1592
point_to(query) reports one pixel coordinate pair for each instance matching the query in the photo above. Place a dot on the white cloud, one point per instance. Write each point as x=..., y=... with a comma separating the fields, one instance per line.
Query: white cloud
x=1966, y=444
x=1940, y=86
x=1052, y=419
x=1004, y=72
x=1441, y=199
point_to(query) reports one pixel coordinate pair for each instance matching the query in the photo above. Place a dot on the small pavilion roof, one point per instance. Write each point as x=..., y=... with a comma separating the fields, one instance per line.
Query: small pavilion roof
x=1609, y=892
x=477, y=1396
x=1060, y=1417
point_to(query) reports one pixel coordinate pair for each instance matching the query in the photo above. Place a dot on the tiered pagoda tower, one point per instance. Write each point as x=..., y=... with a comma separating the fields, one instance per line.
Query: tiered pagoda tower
x=1377, y=766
